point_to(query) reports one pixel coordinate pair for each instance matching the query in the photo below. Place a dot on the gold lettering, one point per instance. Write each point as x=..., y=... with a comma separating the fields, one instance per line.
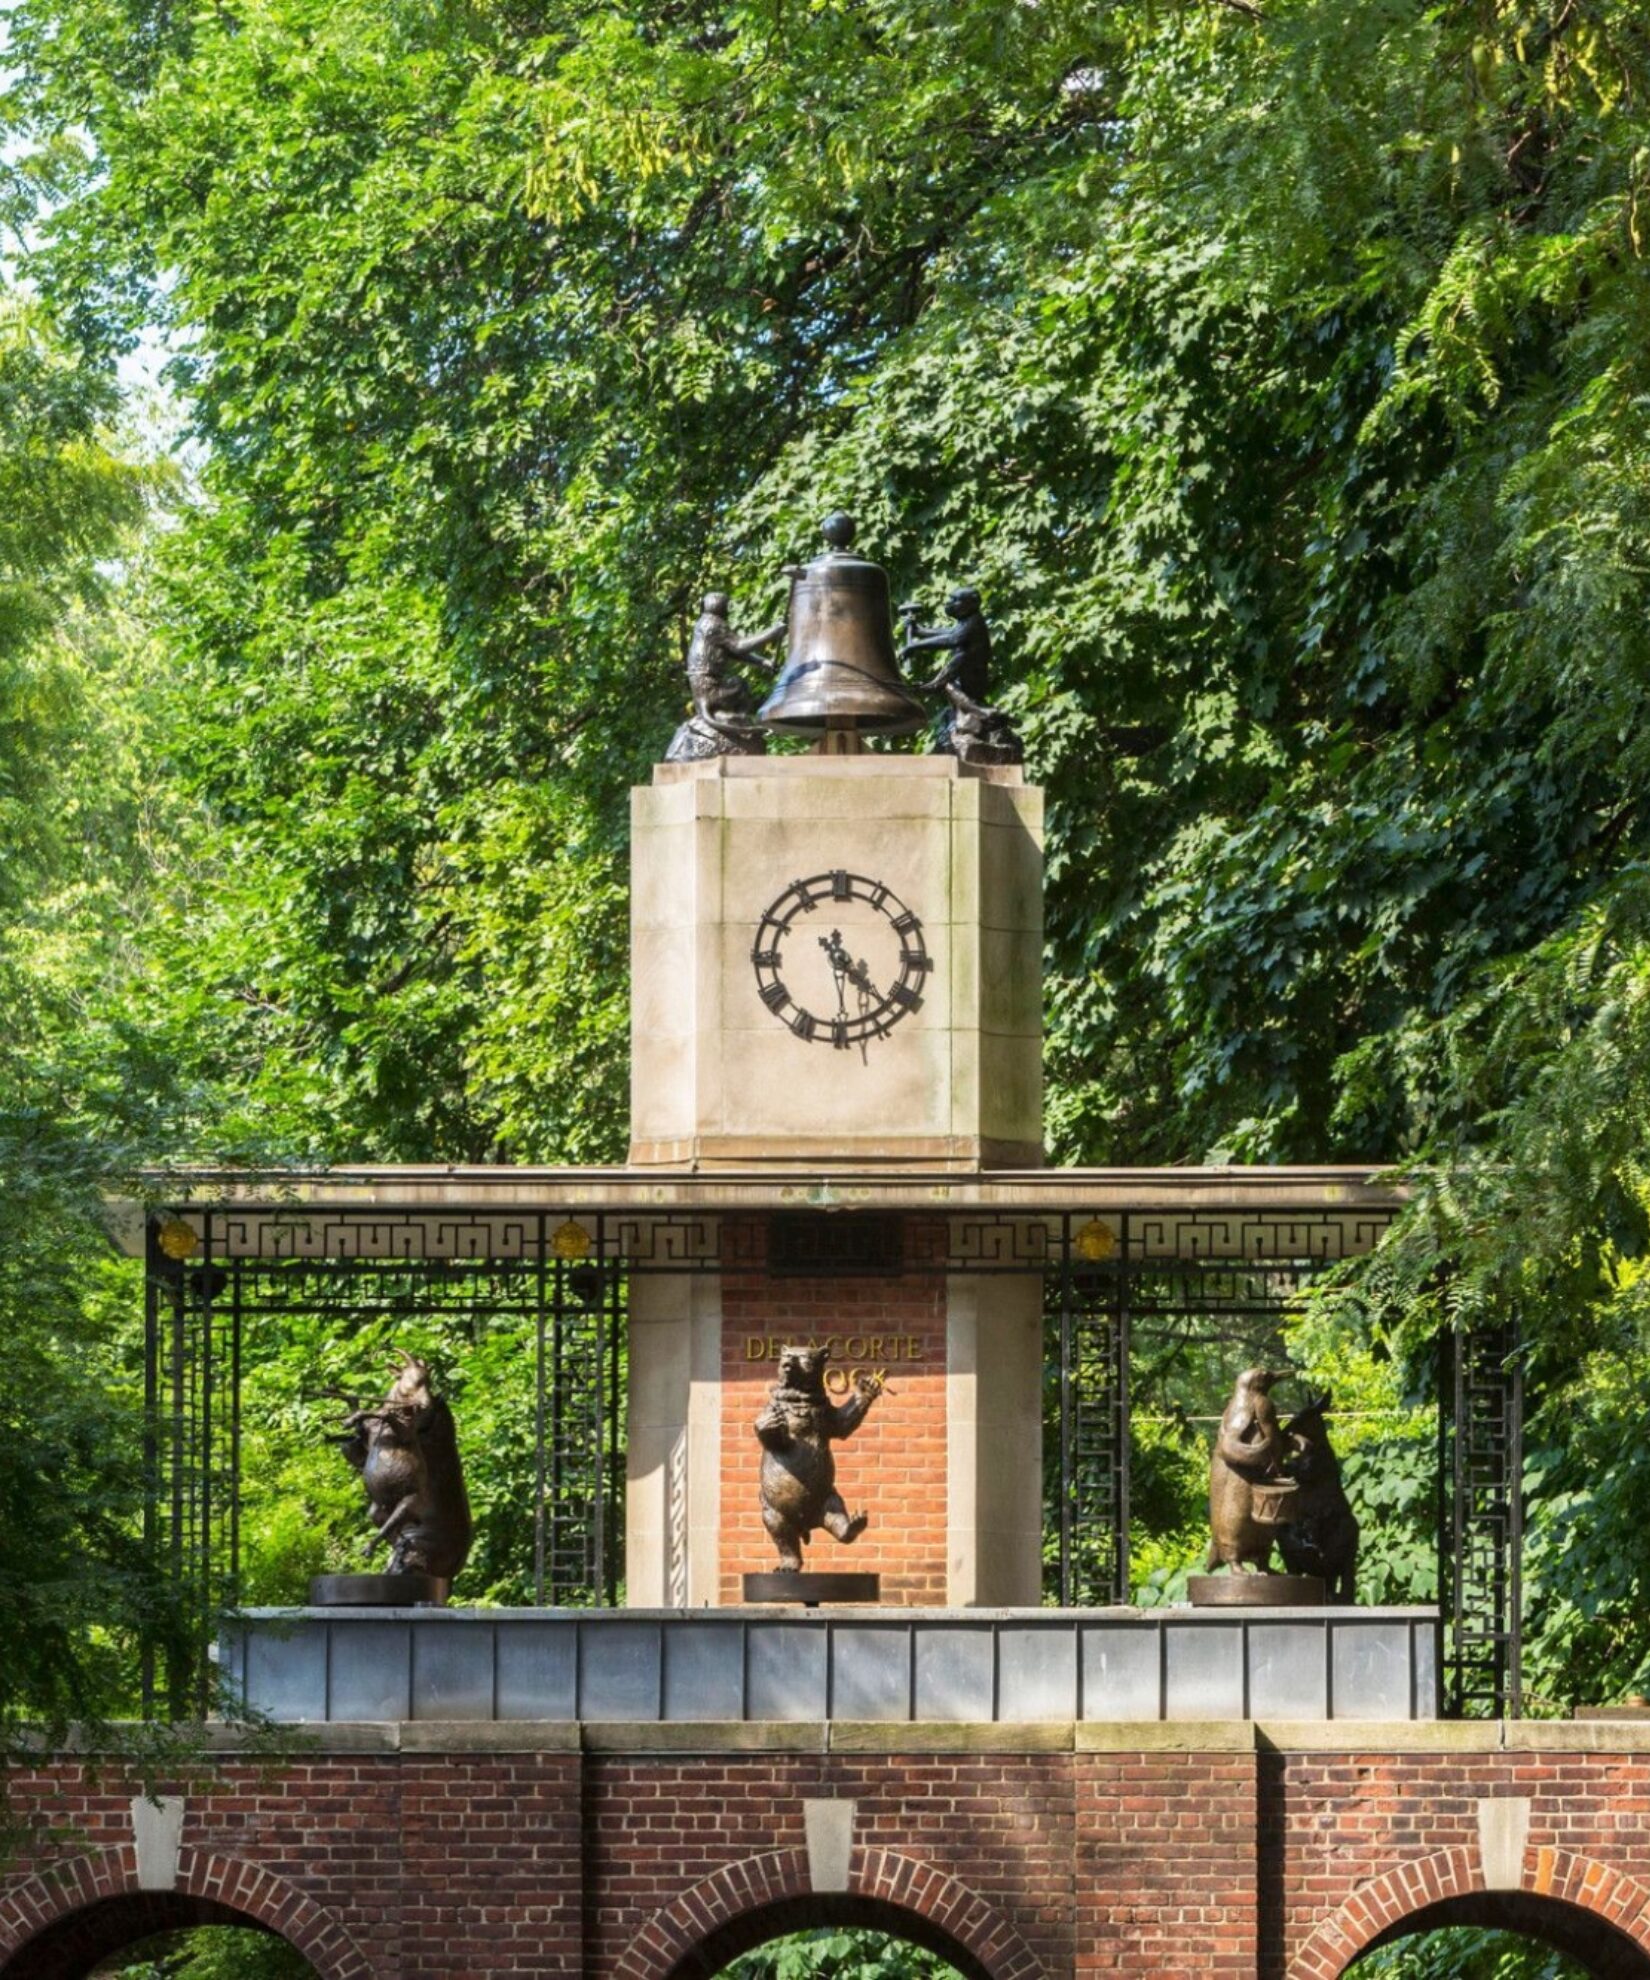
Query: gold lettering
x=850, y=1353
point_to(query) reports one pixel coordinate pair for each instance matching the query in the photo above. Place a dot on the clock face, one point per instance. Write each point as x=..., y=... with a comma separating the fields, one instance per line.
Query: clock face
x=840, y=959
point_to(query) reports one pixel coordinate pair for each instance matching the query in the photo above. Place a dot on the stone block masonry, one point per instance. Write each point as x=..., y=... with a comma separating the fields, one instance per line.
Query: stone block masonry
x=732, y=1062
x=1270, y=1851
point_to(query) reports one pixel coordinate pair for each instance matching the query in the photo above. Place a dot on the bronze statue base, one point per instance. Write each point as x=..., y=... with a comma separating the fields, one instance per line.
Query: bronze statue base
x=379, y=1591
x=812, y=1589
x=1256, y=1591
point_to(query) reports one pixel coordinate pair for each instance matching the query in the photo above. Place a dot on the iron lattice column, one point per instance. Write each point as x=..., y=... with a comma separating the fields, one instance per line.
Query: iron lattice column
x=1481, y=1464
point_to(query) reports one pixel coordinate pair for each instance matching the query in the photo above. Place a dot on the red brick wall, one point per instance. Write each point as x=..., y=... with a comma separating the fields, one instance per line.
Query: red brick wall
x=569, y=1866
x=1000, y=1824
x=426, y=1865
x=893, y=1467
x=1402, y=1828
x=1166, y=1863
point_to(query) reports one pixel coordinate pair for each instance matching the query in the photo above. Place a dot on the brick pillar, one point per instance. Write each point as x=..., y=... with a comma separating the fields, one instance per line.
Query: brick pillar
x=894, y=1465
x=1167, y=1850
x=492, y=1865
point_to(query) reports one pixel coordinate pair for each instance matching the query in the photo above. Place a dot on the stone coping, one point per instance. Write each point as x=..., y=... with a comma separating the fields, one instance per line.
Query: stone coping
x=1350, y=1195
x=733, y=1616
x=1345, y=1189
x=710, y=1737
x=861, y=766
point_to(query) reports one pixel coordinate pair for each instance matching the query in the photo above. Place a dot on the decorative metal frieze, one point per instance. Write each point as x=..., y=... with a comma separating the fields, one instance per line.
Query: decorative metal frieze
x=663, y=1240
x=1221, y=1236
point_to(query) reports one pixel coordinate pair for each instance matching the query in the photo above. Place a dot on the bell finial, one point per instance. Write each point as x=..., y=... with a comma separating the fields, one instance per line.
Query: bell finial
x=840, y=679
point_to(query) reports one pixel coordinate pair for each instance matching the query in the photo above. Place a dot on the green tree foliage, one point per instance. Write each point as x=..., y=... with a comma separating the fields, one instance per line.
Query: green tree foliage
x=1465, y=1953
x=74, y=1106
x=211, y=1952
x=223, y=1952
x=1279, y=379
x=839, y=1953
x=1277, y=370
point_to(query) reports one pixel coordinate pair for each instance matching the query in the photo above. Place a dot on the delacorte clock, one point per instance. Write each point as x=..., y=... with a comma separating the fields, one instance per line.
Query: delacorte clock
x=821, y=988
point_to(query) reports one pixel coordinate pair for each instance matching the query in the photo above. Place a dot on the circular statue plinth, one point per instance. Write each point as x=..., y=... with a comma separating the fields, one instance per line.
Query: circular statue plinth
x=812, y=1589
x=378, y=1591
x=1256, y=1591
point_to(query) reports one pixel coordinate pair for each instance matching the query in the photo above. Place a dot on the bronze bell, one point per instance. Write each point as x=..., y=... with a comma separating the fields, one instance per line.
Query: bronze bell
x=840, y=676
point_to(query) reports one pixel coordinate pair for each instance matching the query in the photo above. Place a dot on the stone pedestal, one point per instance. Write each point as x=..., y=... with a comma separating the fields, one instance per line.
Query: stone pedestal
x=968, y=1667
x=750, y=1050
x=837, y=964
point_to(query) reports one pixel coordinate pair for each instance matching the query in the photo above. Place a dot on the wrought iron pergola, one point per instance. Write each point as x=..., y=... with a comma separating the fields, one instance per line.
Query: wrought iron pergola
x=1133, y=1265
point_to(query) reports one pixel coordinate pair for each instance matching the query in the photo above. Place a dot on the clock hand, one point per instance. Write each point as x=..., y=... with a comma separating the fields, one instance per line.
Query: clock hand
x=845, y=969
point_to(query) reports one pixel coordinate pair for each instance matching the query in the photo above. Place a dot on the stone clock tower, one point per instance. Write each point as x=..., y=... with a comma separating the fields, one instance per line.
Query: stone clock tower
x=836, y=963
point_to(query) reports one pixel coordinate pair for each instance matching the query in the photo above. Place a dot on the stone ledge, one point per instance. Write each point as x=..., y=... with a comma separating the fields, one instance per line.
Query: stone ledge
x=496, y=1736
x=1336, y=1736
x=436, y=1188
x=1343, y=1736
x=947, y=1736
x=880, y=767
x=888, y=1616
x=1576, y=1736
x=1167, y=1736
x=705, y=1736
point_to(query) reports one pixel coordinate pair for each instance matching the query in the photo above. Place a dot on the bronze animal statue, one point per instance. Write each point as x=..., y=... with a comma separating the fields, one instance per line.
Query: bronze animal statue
x=980, y=734
x=1248, y=1453
x=969, y=728
x=724, y=719
x=796, y=1429
x=406, y=1450
x=1322, y=1535
x=966, y=643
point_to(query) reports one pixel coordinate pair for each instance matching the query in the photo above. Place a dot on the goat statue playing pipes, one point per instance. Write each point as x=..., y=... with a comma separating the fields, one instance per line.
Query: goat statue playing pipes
x=406, y=1450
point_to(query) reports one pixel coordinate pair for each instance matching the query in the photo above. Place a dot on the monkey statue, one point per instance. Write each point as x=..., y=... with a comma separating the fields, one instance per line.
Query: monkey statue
x=723, y=722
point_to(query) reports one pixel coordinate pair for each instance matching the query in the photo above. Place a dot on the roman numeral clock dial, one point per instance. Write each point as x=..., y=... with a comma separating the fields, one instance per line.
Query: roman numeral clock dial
x=833, y=973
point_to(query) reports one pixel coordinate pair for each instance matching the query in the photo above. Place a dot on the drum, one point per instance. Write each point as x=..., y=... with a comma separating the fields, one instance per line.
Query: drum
x=1274, y=1505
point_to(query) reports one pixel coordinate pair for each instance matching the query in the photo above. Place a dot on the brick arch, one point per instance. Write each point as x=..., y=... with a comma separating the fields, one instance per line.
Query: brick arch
x=55, y=1915
x=1559, y=1892
x=744, y=1904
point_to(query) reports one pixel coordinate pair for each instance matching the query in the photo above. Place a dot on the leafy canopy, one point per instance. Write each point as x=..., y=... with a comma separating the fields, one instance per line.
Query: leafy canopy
x=1278, y=374
x=75, y=1107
